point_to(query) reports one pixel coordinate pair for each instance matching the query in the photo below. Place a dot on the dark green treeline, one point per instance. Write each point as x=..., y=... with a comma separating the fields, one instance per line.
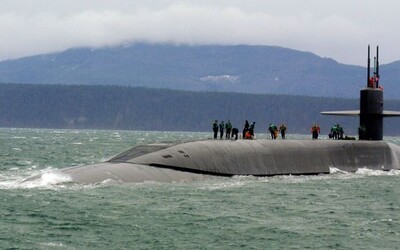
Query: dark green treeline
x=129, y=108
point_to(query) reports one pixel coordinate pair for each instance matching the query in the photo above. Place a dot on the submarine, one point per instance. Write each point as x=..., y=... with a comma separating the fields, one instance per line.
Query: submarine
x=196, y=160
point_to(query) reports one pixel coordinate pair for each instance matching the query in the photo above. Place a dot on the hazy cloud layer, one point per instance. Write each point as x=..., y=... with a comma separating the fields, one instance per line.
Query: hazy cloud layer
x=338, y=29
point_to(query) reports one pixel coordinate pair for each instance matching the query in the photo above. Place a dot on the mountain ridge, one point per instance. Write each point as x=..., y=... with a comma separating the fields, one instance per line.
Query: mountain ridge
x=233, y=68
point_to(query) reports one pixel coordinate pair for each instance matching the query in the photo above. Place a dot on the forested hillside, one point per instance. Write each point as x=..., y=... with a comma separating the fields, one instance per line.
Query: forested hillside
x=242, y=69
x=116, y=107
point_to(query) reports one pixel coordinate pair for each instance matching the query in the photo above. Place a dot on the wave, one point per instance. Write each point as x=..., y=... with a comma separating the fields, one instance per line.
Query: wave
x=52, y=178
x=15, y=178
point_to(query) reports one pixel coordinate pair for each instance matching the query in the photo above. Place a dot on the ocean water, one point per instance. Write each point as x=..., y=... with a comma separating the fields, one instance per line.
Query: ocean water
x=337, y=211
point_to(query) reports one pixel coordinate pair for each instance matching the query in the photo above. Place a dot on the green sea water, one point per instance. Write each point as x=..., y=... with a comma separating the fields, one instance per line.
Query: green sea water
x=337, y=211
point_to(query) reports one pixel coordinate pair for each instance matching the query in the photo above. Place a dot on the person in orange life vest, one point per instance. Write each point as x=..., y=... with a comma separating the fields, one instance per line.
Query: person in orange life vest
x=248, y=135
x=315, y=131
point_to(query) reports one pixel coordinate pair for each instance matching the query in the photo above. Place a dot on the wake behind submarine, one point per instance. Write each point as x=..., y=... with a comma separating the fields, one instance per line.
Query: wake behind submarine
x=181, y=161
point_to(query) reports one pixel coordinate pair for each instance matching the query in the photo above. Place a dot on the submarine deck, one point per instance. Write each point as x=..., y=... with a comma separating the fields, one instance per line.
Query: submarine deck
x=264, y=157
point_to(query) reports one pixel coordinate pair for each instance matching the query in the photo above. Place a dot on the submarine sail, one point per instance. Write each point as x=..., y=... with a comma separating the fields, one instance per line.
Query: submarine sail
x=371, y=111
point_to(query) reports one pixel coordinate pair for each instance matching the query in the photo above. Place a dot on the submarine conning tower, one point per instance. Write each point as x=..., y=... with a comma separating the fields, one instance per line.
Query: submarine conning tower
x=371, y=104
x=371, y=114
x=371, y=111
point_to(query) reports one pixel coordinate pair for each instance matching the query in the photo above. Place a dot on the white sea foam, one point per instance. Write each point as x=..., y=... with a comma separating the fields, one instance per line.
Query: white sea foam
x=371, y=172
x=334, y=170
x=53, y=245
x=53, y=178
x=19, y=137
x=365, y=172
x=50, y=178
x=224, y=182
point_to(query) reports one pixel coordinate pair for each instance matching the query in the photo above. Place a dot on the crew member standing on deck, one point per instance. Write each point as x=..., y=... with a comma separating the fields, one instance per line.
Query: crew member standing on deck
x=235, y=132
x=340, y=131
x=273, y=130
x=215, y=129
x=228, y=127
x=245, y=128
x=315, y=130
x=334, y=134
x=221, y=130
x=251, y=130
x=282, y=129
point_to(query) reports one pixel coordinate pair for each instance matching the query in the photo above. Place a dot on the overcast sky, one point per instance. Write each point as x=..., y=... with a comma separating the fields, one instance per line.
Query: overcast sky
x=339, y=29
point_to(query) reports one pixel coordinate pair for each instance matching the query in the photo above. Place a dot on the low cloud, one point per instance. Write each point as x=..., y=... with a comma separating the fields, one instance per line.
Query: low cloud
x=42, y=32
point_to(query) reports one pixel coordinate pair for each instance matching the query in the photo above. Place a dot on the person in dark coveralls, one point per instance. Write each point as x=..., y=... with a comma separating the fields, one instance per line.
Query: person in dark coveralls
x=340, y=131
x=251, y=129
x=246, y=128
x=282, y=129
x=221, y=130
x=228, y=127
x=215, y=129
x=235, y=132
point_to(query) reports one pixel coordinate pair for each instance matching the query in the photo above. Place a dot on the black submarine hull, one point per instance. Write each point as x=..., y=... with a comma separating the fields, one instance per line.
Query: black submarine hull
x=171, y=162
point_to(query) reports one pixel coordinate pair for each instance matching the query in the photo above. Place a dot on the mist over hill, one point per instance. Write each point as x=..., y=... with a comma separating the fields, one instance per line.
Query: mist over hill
x=242, y=69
